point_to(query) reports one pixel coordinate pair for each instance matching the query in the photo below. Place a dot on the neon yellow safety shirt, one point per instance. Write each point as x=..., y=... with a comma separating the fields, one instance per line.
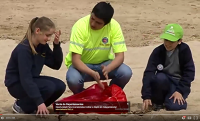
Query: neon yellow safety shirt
x=95, y=46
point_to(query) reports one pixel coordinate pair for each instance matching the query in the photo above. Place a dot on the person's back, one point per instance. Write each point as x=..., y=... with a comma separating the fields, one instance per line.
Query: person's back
x=12, y=70
x=12, y=75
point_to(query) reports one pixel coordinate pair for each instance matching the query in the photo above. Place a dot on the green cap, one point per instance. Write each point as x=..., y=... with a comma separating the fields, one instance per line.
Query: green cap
x=172, y=32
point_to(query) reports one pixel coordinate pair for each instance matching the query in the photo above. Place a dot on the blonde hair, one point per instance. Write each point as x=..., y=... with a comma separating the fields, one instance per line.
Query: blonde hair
x=44, y=23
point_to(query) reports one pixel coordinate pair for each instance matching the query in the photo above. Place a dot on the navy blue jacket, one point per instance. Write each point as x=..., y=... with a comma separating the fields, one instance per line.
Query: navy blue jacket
x=158, y=57
x=23, y=66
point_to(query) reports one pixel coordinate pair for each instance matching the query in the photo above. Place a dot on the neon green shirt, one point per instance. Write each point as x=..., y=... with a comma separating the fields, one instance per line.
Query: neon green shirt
x=95, y=46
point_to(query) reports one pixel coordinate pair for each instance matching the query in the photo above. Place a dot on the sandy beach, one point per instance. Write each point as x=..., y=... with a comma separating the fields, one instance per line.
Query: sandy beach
x=142, y=22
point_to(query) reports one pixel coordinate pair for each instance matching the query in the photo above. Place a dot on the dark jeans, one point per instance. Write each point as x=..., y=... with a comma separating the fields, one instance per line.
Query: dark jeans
x=50, y=88
x=163, y=86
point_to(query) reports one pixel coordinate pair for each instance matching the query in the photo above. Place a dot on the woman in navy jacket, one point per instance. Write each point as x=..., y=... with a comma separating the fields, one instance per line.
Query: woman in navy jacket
x=23, y=81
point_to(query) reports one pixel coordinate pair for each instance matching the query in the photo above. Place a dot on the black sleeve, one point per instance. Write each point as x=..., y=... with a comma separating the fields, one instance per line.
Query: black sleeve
x=54, y=58
x=25, y=63
x=188, y=72
x=148, y=74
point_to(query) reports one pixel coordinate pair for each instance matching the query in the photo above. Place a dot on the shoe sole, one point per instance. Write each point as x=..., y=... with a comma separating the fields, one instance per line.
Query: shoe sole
x=14, y=110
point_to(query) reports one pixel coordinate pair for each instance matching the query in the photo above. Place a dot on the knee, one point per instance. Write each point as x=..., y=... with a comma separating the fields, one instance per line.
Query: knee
x=160, y=78
x=73, y=77
x=125, y=72
x=175, y=107
x=49, y=89
x=170, y=106
x=61, y=86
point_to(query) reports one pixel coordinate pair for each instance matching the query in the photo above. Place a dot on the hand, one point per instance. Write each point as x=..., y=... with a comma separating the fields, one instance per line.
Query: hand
x=177, y=96
x=96, y=76
x=42, y=110
x=57, y=37
x=146, y=104
x=105, y=71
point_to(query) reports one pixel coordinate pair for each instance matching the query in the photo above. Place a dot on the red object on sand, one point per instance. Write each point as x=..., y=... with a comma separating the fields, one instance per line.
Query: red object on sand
x=94, y=93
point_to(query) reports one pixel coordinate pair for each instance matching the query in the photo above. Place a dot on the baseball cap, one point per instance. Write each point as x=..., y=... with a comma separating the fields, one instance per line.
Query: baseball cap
x=172, y=32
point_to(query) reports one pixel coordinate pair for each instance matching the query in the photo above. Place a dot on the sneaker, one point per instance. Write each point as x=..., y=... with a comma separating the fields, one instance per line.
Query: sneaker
x=17, y=109
x=157, y=107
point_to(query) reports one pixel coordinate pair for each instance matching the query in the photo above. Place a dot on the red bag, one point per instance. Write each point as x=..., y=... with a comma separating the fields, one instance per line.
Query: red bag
x=94, y=93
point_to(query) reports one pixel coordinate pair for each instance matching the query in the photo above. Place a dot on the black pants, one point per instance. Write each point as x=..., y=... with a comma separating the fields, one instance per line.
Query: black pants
x=163, y=86
x=50, y=88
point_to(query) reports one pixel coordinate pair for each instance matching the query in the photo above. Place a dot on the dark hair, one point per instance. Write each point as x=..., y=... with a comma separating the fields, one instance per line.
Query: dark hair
x=44, y=23
x=104, y=11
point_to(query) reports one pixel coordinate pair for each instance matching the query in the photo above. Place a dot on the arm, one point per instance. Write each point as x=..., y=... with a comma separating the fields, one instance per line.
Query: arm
x=188, y=72
x=79, y=65
x=118, y=46
x=54, y=58
x=148, y=74
x=76, y=47
x=25, y=62
x=119, y=59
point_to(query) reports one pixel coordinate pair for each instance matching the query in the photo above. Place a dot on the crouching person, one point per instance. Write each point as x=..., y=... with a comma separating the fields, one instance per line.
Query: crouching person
x=169, y=72
x=23, y=81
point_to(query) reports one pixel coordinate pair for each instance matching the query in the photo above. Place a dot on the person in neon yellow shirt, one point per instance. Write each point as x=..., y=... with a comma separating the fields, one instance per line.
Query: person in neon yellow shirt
x=90, y=58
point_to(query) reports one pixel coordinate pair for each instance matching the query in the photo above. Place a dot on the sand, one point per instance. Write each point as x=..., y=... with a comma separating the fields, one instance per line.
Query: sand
x=142, y=21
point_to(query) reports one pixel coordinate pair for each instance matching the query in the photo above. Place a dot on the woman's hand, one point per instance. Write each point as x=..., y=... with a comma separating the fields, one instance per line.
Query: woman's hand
x=42, y=110
x=57, y=37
